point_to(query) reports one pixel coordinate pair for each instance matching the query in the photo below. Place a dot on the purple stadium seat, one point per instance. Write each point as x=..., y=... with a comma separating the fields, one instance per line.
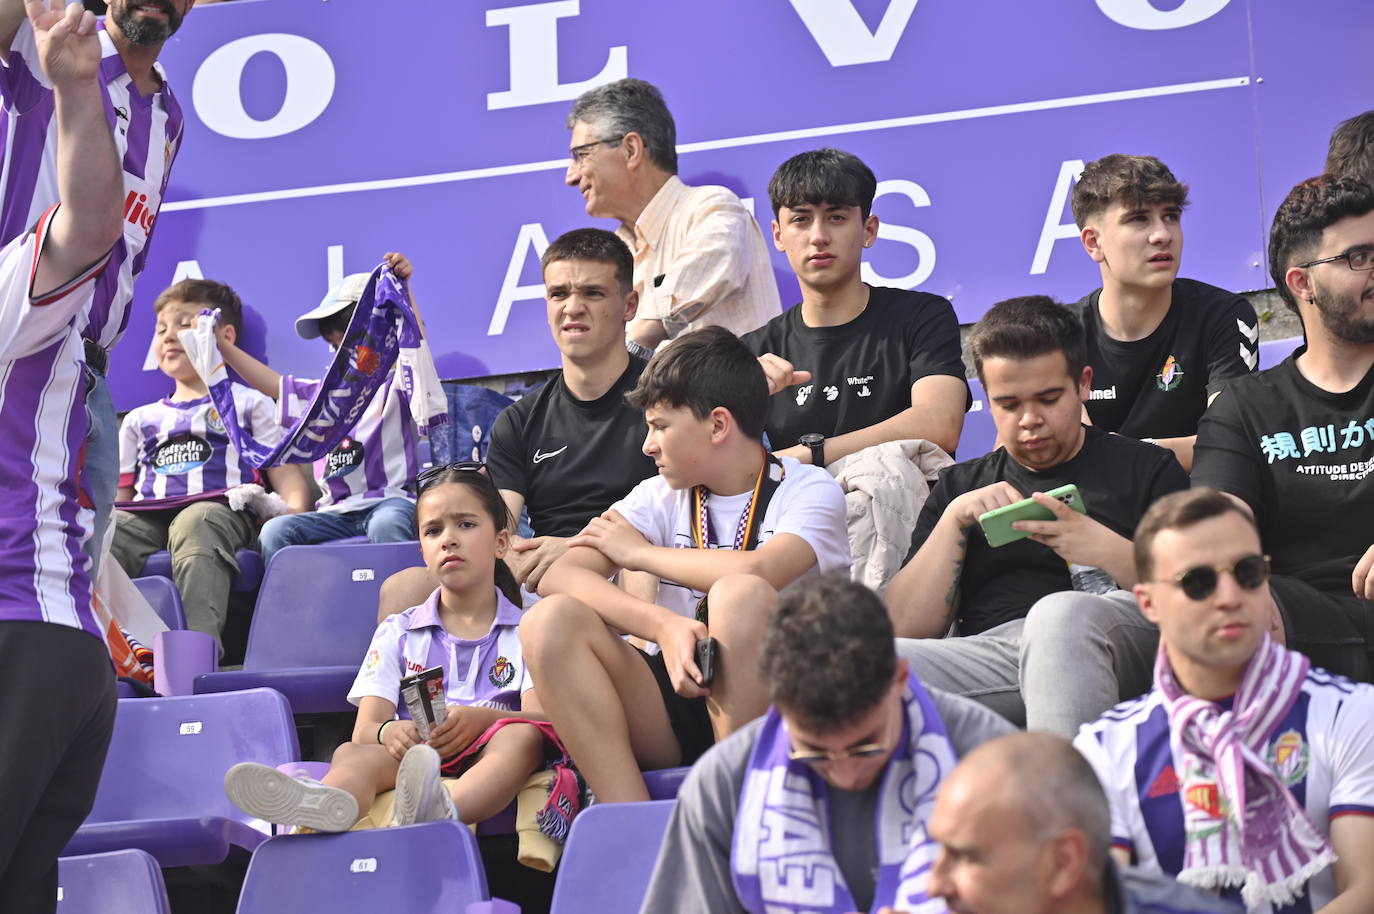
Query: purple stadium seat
x=315, y=616
x=162, y=790
x=1272, y=352
x=159, y=564
x=429, y=867
x=118, y=882
x=163, y=597
x=624, y=837
x=663, y=784
x=979, y=433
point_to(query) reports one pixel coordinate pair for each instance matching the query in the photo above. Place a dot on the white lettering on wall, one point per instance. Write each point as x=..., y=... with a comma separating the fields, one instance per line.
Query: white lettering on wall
x=534, y=56
x=531, y=240
x=920, y=241
x=843, y=37
x=1053, y=230
x=1141, y=14
x=334, y=268
x=186, y=269
x=216, y=95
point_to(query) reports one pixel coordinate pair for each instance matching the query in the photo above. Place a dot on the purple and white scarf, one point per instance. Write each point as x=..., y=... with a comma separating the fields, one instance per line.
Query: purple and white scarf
x=383, y=330
x=1244, y=826
x=781, y=858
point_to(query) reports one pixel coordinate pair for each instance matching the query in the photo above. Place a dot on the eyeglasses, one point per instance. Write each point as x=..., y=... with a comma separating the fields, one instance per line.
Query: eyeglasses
x=1361, y=260
x=578, y=154
x=823, y=756
x=1200, y=582
x=428, y=477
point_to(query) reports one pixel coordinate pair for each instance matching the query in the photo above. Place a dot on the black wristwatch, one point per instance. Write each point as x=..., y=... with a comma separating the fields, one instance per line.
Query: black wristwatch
x=815, y=441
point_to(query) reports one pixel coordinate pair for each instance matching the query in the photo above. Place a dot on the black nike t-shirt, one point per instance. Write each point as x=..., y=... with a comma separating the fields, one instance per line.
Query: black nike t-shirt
x=1117, y=477
x=1158, y=387
x=861, y=371
x=1301, y=458
x=571, y=459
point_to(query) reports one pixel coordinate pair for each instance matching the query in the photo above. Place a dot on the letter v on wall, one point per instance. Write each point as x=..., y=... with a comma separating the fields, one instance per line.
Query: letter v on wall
x=843, y=37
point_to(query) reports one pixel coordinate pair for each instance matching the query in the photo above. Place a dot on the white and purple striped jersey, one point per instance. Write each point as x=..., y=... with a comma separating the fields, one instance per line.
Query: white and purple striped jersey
x=43, y=427
x=1323, y=750
x=174, y=449
x=378, y=460
x=147, y=132
x=490, y=672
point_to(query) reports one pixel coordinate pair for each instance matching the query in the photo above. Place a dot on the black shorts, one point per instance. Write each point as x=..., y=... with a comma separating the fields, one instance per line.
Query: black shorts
x=687, y=716
x=1335, y=630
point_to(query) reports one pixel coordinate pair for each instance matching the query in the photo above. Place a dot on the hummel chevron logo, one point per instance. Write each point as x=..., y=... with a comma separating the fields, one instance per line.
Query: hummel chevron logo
x=1250, y=332
x=538, y=457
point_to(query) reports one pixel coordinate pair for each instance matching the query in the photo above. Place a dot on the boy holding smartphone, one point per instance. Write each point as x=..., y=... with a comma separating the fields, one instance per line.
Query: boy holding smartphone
x=1030, y=355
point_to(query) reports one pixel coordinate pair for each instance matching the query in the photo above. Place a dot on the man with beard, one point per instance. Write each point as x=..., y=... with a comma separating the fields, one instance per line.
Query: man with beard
x=1296, y=443
x=147, y=132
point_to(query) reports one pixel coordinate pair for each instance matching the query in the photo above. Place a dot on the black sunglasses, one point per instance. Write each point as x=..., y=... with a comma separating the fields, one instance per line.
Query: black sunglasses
x=1200, y=582
x=427, y=478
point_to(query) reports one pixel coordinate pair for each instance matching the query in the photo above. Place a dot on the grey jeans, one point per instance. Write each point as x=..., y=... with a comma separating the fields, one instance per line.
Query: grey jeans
x=1074, y=656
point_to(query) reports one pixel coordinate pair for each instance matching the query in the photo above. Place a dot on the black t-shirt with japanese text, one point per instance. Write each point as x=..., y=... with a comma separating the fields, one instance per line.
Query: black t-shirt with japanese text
x=571, y=459
x=1117, y=477
x=1158, y=387
x=1301, y=458
x=861, y=371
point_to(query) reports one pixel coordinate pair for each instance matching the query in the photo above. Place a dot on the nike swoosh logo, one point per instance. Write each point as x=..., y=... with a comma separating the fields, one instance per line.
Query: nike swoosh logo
x=538, y=456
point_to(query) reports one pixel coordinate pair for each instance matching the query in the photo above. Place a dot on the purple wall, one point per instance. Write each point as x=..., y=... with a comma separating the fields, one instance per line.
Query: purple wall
x=969, y=108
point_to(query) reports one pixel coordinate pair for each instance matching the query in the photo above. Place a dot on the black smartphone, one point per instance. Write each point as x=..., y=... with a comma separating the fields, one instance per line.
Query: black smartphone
x=708, y=653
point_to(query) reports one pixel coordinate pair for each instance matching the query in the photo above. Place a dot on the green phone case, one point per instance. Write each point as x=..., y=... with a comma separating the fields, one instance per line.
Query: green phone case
x=997, y=523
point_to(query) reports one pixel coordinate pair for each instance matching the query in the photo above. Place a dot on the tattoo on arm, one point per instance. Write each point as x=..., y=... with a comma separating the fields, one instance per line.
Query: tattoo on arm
x=952, y=597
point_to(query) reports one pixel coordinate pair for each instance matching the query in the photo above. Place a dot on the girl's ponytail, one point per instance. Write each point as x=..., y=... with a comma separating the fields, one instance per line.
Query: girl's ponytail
x=505, y=582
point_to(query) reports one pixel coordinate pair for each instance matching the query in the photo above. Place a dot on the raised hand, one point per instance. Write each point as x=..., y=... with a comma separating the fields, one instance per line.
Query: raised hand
x=68, y=44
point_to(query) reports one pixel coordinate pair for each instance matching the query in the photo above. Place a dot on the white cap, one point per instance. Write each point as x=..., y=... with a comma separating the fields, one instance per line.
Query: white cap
x=345, y=294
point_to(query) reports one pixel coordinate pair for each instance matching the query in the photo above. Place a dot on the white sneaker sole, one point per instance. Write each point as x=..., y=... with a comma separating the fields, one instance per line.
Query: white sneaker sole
x=274, y=796
x=420, y=795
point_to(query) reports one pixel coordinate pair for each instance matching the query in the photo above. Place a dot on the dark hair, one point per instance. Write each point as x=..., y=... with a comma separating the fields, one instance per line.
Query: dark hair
x=1178, y=511
x=702, y=370
x=208, y=293
x=1026, y=327
x=631, y=106
x=484, y=488
x=1132, y=181
x=1351, y=153
x=823, y=177
x=1302, y=217
x=339, y=321
x=593, y=244
x=828, y=654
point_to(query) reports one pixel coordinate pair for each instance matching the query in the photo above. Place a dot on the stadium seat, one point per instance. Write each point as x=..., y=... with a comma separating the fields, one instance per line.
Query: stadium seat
x=429, y=867
x=162, y=790
x=163, y=597
x=619, y=837
x=117, y=882
x=1272, y=352
x=979, y=434
x=663, y=783
x=314, y=619
x=159, y=564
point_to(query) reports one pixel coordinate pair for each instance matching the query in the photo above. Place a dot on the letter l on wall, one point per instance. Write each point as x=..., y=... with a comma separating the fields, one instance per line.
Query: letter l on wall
x=534, y=56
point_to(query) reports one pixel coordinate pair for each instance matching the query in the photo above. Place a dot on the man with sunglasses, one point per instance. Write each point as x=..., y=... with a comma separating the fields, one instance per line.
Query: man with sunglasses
x=1246, y=770
x=859, y=743
x=699, y=255
x=1296, y=443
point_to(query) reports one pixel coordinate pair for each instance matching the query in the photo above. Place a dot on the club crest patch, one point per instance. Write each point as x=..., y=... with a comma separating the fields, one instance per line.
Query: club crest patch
x=213, y=421
x=1289, y=756
x=502, y=673
x=1169, y=375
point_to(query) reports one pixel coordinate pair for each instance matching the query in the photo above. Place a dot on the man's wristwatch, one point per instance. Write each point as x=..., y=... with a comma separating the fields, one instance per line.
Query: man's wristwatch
x=638, y=350
x=816, y=442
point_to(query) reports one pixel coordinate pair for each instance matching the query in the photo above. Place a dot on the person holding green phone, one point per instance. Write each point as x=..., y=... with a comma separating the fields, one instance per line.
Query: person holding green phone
x=1029, y=646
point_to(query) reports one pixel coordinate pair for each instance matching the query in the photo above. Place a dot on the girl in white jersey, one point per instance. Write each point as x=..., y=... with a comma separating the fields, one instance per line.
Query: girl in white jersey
x=470, y=627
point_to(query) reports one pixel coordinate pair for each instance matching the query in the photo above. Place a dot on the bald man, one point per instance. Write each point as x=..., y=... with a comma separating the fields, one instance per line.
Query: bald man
x=1023, y=826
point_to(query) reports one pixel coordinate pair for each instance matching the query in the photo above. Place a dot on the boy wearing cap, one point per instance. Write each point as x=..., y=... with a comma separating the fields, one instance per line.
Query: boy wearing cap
x=367, y=479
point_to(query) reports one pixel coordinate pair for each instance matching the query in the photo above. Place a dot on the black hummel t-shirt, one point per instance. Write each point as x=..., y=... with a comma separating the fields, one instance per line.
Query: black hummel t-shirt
x=1301, y=457
x=1157, y=387
x=862, y=371
x=570, y=458
x=1118, y=479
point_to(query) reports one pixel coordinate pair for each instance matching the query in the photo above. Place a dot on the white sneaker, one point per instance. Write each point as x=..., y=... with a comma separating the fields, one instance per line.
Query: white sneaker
x=274, y=796
x=420, y=795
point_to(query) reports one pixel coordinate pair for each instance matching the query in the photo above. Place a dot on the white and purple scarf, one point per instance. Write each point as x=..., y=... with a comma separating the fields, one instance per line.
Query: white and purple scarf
x=382, y=331
x=781, y=859
x=1244, y=826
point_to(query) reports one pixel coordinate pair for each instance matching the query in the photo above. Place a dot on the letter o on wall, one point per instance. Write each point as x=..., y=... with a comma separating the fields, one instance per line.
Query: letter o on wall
x=309, y=86
x=1141, y=14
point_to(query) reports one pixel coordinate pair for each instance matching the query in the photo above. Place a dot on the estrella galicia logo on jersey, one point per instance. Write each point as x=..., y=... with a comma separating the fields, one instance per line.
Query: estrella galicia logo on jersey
x=181, y=454
x=1288, y=756
x=213, y=420
x=1169, y=375
x=344, y=458
x=502, y=672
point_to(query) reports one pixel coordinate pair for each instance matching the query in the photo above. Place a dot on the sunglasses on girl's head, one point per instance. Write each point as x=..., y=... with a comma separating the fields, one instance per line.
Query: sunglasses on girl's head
x=1200, y=582
x=427, y=477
